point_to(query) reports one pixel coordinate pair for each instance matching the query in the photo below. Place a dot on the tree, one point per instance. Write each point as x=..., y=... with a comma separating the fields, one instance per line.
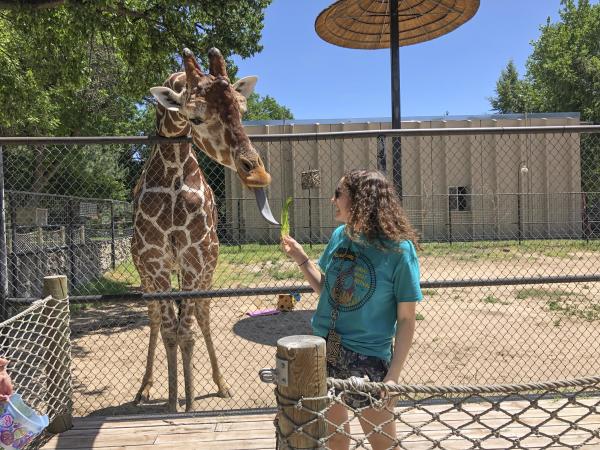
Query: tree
x=563, y=74
x=565, y=63
x=73, y=68
x=512, y=94
x=266, y=108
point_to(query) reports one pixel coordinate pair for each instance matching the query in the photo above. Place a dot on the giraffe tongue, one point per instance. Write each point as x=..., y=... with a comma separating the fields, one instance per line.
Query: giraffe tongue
x=263, y=205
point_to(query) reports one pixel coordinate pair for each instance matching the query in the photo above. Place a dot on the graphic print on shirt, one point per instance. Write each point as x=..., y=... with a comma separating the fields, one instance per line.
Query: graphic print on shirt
x=350, y=280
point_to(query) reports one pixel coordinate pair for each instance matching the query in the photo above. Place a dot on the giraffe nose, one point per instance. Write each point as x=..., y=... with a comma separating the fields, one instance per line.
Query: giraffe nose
x=258, y=177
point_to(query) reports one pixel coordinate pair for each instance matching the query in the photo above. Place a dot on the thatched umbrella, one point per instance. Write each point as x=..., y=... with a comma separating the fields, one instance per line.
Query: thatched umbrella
x=374, y=24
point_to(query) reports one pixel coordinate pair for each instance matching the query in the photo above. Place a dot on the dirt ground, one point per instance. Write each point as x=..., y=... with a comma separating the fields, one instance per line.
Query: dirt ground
x=499, y=334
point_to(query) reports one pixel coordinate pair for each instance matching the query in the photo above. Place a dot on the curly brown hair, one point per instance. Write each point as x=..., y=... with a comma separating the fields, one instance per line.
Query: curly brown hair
x=375, y=211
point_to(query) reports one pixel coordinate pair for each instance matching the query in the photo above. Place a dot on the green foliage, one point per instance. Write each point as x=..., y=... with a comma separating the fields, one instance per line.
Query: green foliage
x=511, y=93
x=565, y=64
x=84, y=68
x=266, y=108
x=563, y=74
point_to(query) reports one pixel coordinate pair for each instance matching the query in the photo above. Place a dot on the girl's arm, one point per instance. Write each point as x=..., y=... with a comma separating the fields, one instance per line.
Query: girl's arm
x=405, y=330
x=310, y=271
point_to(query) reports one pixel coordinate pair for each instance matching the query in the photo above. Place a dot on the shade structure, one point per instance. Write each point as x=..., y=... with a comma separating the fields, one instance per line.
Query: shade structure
x=375, y=24
x=365, y=24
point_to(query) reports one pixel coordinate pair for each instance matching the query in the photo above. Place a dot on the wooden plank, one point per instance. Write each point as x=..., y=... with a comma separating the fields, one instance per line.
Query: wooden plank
x=212, y=437
x=256, y=444
x=124, y=421
x=242, y=444
x=256, y=431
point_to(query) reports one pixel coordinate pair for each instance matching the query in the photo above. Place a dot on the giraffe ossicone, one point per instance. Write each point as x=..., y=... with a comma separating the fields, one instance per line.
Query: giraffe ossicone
x=175, y=216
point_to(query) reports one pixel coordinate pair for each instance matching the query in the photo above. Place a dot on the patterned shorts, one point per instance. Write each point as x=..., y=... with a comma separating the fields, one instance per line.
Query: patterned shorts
x=352, y=364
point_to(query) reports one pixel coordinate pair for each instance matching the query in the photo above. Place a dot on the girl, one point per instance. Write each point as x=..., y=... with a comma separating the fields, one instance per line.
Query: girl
x=368, y=286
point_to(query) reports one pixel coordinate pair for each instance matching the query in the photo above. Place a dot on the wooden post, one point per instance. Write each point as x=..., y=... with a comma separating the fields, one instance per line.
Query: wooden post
x=306, y=376
x=58, y=366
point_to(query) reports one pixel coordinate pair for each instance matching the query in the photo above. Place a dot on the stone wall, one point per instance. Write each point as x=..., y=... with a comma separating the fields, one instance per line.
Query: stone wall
x=87, y=262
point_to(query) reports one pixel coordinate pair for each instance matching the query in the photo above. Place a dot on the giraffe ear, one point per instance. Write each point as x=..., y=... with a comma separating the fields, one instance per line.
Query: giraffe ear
x=168, y=98
x=245, y=86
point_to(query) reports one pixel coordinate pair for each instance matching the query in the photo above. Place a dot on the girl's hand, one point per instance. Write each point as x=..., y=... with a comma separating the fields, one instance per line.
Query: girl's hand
x=389, y=399
x=294, y=250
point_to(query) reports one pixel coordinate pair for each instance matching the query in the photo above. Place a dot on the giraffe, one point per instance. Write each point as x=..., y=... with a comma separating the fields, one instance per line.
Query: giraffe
x=174, y=209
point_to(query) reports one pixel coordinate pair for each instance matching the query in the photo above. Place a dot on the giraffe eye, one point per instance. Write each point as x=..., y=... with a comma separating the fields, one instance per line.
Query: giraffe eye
x=196, y=121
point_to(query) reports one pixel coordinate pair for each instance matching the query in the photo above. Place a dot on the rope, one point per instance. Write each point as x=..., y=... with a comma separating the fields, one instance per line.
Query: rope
x=515, y=420
x=360, y=385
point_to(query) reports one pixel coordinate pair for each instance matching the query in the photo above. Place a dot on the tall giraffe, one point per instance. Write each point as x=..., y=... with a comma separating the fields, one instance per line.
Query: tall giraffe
x=174, y=209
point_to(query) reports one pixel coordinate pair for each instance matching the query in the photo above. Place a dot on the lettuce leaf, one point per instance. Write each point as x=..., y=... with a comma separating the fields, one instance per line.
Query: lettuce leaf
x=285, y=224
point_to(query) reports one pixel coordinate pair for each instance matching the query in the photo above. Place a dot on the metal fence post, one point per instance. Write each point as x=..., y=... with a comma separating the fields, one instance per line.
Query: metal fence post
x=301, y=374
x=381, y=157
x=449, y=223
x=113, y=257
x=70, y=243
x=3, y=247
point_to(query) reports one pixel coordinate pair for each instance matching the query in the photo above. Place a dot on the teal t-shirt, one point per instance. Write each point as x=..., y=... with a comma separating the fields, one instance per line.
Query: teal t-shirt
x=370, y=282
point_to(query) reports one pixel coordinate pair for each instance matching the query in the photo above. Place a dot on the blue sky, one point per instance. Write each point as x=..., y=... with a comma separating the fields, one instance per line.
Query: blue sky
x=454, y=73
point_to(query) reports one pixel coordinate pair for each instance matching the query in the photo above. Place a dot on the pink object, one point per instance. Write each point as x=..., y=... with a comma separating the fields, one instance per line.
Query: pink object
x=6, y=388
x=263, y=312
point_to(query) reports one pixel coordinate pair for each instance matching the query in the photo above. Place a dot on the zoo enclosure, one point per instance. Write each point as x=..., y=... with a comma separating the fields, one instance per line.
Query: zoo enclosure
x=507, y=235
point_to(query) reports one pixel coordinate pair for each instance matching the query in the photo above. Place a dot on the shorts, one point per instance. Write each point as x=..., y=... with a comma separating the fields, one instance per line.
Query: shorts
x=352, y=364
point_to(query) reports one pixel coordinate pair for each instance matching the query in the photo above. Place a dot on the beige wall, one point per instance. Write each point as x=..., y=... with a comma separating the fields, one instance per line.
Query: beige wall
x=489, y=165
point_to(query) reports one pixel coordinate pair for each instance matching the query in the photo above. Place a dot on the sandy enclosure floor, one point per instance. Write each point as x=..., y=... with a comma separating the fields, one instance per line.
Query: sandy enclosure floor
x=500, y=334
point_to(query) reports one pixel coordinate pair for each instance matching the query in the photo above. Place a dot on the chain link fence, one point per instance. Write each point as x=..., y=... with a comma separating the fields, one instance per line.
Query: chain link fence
x=509, y=221
x=36, y=343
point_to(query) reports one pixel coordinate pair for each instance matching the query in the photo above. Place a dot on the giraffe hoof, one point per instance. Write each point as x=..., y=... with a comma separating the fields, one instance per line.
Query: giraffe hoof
x=143, y=396
x=226, y=392
x=190, y=408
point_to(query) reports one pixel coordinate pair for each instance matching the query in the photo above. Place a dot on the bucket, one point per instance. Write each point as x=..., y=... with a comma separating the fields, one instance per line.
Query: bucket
x=19, y=423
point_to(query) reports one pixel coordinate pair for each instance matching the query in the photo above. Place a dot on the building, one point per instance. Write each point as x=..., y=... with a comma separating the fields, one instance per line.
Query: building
x=488, y=184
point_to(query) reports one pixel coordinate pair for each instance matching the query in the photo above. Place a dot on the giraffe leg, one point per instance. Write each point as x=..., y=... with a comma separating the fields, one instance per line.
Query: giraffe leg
x=186, y=339
x=168, y=331
x=203, y=317
x=143, y=394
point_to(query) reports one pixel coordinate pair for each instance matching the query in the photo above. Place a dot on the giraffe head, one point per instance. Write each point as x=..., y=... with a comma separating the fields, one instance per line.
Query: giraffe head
x=212, y=106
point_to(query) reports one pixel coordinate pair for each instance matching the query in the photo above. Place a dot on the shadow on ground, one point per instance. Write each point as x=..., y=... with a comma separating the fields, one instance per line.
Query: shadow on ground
x=267, y=330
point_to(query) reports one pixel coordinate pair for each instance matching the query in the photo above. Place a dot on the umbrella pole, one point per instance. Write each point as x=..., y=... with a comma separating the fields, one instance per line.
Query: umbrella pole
x=395, y=70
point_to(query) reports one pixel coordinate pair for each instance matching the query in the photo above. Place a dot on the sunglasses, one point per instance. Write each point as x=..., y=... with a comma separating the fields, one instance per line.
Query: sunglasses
x=338, y=193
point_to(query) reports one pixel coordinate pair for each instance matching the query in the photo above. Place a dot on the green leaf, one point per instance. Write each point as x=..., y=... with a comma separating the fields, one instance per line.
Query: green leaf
x=285, y=224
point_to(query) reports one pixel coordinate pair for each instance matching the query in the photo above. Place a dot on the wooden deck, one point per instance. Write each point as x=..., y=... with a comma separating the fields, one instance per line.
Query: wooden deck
x=256, y=432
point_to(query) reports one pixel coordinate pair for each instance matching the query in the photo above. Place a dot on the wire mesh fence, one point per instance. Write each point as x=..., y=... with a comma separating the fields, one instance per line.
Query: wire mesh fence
x=509, y=221
x=538, y=415
x=35, y=341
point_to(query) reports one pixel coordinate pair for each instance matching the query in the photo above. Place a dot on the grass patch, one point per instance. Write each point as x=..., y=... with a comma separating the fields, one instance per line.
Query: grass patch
x=429, y=292
x=100, y=286
x=286, y=274
x=419, y=316
x=542, y=293
x=585, y=310
x=565, y=303
x=490, y=299
x=508, y=250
